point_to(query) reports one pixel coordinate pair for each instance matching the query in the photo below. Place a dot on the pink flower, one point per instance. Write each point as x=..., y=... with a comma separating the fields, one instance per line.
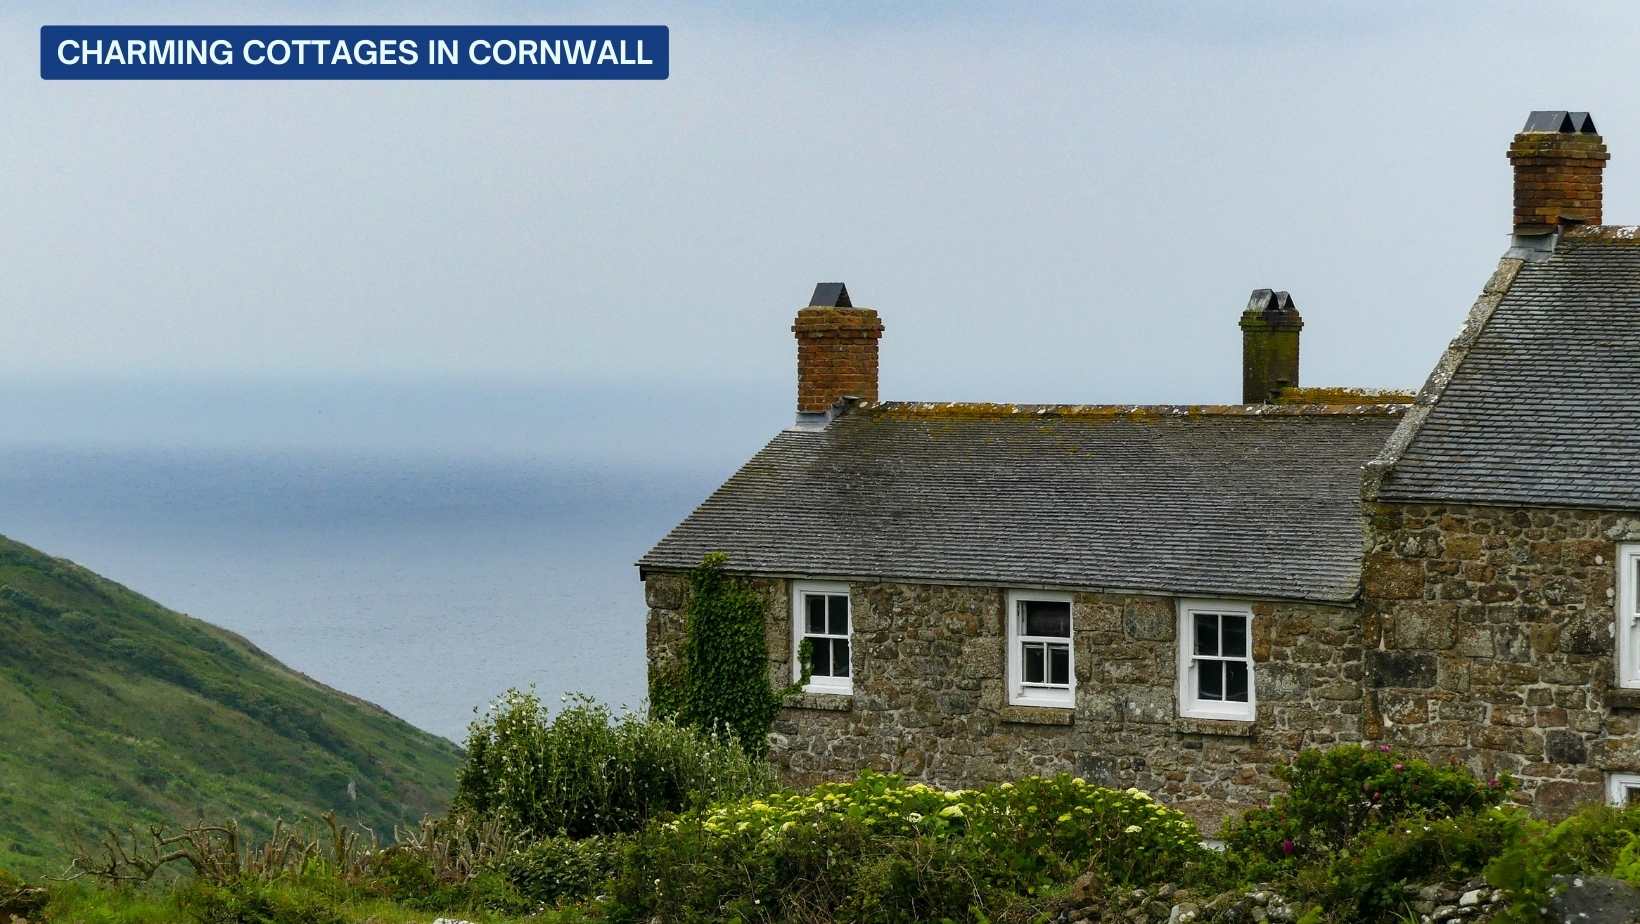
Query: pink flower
x=1287, y=846
x=1383, y=749
x=1400, y=767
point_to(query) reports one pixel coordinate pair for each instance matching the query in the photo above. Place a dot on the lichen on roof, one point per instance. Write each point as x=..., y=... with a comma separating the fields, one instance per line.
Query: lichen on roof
x=1386, y=404
x=1629, y=234
x=1344, y=394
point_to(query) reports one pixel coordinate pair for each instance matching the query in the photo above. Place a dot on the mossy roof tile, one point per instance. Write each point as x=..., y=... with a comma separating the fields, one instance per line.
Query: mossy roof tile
x=1255, y=501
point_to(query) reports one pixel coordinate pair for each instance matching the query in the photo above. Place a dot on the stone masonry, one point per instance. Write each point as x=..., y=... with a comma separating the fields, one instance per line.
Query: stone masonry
x=1490, y=639
x=1484, y=635
x=929, y=696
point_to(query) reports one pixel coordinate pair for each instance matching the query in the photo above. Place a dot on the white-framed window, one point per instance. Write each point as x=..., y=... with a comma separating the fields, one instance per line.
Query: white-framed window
x=1216, y=660
x=1041, y=665
x=1622, y=789
x=1628, y=615
x=822, y=615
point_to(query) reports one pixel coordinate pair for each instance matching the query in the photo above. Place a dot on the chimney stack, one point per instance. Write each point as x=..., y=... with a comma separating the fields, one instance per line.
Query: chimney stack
x=1558, y=159
x=836, y=350
x=1269, y=346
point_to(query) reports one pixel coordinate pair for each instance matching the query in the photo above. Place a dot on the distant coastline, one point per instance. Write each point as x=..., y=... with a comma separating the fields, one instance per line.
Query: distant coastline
x=421, y=584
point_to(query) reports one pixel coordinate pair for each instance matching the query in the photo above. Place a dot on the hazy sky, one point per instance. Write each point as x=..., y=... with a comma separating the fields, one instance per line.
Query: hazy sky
x=1049, y=204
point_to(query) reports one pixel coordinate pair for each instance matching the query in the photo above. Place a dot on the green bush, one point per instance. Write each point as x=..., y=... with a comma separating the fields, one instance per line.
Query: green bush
x=836, y=869
x=1335, y=795
x=1365, y=882
x=559, y=869
x=1596, y=839
x=257, y=902
x=588, y=771
x=410, y=878
x=877, y=849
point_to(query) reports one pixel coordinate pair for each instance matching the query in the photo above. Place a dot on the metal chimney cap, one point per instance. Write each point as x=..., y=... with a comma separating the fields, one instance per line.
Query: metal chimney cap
x=1267, y=300
x=1560, y=122
x=830, y=295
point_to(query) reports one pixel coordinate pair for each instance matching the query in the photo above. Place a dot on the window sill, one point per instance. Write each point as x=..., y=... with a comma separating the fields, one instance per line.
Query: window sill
x=1229, y=728
x=1622, y=698
x=1038, y=715
x=820, y=702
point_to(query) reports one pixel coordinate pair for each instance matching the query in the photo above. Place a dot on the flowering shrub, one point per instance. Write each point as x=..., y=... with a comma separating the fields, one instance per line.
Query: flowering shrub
x=588, y=771
x=1336, y=794
x=1029, y=823
x=877, y=848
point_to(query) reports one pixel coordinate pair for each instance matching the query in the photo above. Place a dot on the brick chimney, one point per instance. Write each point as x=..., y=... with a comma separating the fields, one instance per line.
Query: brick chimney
x=1558, y=159
x=836, y=350
x=1269, y=346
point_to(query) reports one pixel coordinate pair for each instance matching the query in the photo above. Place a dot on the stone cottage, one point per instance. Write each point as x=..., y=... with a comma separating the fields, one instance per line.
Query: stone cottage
x=1179, y=598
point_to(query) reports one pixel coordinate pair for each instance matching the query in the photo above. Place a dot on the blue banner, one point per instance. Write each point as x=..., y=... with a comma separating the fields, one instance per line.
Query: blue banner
x=354, y=52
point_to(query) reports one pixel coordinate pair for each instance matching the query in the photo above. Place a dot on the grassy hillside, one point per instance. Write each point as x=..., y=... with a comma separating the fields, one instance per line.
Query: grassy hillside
x=115, y=711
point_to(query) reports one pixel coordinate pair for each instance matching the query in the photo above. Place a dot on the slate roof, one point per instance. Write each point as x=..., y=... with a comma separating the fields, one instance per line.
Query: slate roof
x=1544, y=408
x=1256, y=501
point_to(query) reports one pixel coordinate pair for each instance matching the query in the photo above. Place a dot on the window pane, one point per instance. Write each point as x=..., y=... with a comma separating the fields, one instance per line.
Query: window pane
x=822, y=658
x=1207, y=633
x=816, y=613
x=1235, y=681
x=1234, y=637
x=1631, y=795
x=839, y=657
x=1210, y=680
x=1033, y=663
x=1050, y=618
x=838, y=611
x=1059, y=664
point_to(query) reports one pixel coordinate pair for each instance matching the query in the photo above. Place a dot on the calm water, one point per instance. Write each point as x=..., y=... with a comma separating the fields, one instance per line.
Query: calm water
x=426, y=584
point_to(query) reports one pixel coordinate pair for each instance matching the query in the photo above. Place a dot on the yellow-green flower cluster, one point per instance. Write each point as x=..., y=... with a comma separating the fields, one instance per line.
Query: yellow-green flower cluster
x=1063, y=815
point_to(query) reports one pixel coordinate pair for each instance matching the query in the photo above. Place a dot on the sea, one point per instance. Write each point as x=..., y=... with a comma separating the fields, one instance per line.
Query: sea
x=423, y=575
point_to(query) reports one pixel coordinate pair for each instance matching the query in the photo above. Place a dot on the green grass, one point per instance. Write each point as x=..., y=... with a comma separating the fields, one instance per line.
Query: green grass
x=296, y=902
x=116, y=712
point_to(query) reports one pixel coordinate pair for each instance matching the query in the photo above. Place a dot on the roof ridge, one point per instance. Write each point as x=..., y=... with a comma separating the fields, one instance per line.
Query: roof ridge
x=1376, y=472
x=1133, y=411
x=1617, y=234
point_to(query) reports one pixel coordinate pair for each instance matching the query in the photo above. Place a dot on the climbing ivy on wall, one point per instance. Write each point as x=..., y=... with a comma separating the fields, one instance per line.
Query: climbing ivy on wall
x=721, y=680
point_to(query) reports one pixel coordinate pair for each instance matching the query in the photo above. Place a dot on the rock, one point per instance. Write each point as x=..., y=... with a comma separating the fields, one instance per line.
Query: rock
x=1594, y=900
x=1087, y=886
x=1470, y=898
x=1431, y=893
x=1182, y=913
x=1445, y=912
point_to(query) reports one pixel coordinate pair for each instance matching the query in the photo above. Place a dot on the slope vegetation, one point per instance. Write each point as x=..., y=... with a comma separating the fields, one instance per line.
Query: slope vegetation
x=116, y=713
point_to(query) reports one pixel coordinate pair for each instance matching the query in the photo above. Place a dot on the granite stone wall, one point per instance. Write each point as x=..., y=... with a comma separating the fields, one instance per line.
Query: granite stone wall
x=930, y=696
x=1490, y=638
